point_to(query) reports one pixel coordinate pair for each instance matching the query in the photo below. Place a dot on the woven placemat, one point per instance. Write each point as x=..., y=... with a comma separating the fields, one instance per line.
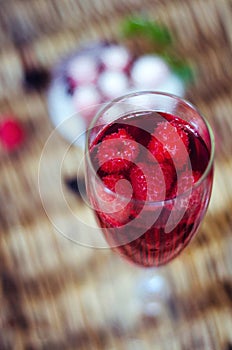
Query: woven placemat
x=59, y=295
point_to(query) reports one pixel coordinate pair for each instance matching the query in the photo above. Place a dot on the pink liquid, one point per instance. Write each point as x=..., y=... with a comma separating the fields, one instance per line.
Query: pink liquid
x=153, y=233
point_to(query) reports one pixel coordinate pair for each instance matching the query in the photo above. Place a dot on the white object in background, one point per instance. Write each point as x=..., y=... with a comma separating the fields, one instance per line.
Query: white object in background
x=113, y=84
x=149, y=71
x=83, y=69
x=115, y=57
x=86, y=100
x=173, y=85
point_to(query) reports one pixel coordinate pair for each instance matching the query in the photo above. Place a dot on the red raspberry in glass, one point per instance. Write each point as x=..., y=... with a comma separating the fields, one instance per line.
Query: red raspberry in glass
x=115, y=58
x=113, y=183
x=188, y=199
x=115, y=207
x=148, y=182
x=169, y=141
x=117, y=151
x=169, y=174
x=185, y=185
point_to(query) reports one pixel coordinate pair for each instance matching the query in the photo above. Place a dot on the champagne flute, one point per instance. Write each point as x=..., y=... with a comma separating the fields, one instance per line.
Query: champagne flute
x=149, y=174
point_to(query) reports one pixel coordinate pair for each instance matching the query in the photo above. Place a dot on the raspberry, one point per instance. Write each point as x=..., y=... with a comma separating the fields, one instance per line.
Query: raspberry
x=119, y=184
x=190, y=197
x=188, y=200
x=148, y=182
x=157, y=150
x=187, y=180
x=169, y=174
x=116, y=151
x=114, y=208
x=11, y=134
x=170, y=141
x=110, y=182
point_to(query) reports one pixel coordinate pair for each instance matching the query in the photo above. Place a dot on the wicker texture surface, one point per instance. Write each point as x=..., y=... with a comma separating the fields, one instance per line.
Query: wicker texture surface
x=55, y=294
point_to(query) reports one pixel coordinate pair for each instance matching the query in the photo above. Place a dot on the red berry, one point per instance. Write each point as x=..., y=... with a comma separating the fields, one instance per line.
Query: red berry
x=169, y=174
x=190, y=196
x=116, y=151
x=187, y=180
x=148, y=182
x=11, y=134
x=157, y=150
x=114, y=207
x=169, y=141
x=113, y=182
x=188, y=201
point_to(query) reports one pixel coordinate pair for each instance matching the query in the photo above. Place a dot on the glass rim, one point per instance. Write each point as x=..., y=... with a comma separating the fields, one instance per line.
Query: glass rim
x=156, y=93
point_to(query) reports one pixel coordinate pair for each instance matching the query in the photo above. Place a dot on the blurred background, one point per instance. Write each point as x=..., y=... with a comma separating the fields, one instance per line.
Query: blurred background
x=55, y=294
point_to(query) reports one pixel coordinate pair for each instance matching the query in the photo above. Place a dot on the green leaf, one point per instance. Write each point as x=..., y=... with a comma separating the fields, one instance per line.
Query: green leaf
x=185, y=72
x=132, y=26
x=157, y=33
